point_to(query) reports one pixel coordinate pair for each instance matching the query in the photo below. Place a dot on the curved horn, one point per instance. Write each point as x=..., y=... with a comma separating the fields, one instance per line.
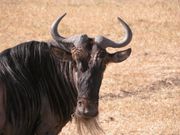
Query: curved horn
x=104, y=42
x=66, y=43
x=62, y=42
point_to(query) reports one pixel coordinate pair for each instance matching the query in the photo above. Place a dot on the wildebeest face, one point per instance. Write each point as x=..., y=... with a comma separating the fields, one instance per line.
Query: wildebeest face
x=90, y=58
x=90, y=63
x=88, y=73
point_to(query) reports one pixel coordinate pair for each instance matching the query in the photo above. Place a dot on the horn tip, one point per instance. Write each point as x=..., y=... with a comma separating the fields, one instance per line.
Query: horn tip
x=64, y=14
x=119, y=19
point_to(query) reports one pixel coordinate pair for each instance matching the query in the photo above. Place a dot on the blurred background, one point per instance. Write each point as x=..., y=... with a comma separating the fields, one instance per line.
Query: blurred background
x=140, y=96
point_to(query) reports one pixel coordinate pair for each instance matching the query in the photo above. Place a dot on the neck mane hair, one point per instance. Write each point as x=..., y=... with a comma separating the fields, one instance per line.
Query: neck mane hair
x=30, y=73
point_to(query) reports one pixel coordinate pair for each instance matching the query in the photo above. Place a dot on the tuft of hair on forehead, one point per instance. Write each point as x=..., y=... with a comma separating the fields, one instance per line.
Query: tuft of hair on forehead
x=79, y=53
x=88, y=126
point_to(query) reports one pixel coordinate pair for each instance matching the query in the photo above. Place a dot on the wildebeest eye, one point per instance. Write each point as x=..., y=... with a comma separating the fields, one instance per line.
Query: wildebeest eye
x=102, y=54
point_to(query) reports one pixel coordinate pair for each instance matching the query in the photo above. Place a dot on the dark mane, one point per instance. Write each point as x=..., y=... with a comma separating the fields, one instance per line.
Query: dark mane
x=30, y=72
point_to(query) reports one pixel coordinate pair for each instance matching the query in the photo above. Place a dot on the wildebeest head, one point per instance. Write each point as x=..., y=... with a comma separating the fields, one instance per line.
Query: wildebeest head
x=90, y=59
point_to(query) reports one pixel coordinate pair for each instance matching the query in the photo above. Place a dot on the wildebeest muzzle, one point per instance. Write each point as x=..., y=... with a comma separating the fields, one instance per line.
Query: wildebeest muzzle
x=86, y=108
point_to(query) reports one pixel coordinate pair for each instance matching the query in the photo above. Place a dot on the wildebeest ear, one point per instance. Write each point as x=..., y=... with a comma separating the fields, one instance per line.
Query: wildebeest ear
x=61, y=54
x=119, y=56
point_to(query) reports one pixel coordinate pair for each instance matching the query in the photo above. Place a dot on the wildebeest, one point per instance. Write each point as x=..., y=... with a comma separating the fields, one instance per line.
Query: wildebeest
x=43, y=83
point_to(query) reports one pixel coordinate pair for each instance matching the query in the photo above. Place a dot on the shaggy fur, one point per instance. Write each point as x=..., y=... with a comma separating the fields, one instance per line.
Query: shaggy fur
x=30, y=72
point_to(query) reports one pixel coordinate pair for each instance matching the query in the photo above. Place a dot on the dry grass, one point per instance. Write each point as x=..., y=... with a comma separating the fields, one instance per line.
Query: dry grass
x=140, y=96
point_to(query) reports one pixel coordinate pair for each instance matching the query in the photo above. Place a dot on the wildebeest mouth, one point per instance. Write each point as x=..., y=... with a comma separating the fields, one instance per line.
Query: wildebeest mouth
x=85, y=116
x=86, y=109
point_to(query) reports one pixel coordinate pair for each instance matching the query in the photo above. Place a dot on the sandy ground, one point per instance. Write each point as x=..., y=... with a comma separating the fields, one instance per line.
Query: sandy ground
x=140, y=96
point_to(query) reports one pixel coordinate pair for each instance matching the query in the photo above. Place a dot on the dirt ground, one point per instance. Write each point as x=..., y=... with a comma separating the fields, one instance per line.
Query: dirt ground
x=140, y=96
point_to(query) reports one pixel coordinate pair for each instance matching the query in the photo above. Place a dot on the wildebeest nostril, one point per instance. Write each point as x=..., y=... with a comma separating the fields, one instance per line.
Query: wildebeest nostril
x=79, y=103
